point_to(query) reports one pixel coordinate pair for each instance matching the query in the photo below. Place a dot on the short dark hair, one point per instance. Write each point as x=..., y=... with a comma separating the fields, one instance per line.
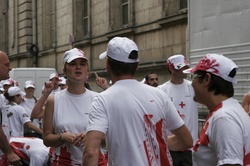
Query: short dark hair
x=8, y=97
x=146, y=76
x=218, y=84
x=119, y=68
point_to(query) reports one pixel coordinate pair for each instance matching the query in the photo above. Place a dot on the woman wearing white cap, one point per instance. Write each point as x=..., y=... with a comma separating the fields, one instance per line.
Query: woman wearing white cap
x=17, y=116
x=28, y=103
x=67, y=111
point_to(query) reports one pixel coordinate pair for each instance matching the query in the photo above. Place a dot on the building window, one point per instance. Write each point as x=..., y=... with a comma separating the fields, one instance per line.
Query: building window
x=124, y=10
x=183, y=4
x=121, y=14
x=53, y=22
x=48, y=24
x=85, y=17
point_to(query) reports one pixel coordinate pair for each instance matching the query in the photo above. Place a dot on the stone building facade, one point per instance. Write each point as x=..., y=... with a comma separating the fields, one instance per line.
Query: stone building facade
x=36, y=33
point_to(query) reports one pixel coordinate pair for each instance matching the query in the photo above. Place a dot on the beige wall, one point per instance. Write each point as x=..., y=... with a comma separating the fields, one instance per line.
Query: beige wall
x=155, y=26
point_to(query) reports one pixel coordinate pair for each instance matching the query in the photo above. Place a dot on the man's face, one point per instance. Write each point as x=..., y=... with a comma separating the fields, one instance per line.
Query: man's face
x=4, y=66
x=152, y=80
x=56, y=81
x=29, y=91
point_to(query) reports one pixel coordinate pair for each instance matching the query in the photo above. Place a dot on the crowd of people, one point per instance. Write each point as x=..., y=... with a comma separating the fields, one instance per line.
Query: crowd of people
x=131, y=122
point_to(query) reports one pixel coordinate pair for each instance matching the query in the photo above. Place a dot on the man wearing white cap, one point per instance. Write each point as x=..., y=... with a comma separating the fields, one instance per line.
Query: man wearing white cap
x=225, y=136
x=28, y=103
x=5, y=150
x=67, y=111
x=181, y=93
x=7, y=84
x=55, y=79
x=132, y=115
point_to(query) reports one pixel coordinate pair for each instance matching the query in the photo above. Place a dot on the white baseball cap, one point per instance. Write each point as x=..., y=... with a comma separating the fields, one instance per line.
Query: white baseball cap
x=29, y=84
x=216, y=64
x=8, y=82
x=73, y=54
x=120, y=49
x=15, y=90
x=177, y=61
x=53, y=75
x=62, y=81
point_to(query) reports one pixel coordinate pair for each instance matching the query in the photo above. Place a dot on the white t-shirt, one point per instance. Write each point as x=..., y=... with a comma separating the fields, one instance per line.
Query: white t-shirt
x=28, y=105
x=2, y=115
x=182, y=97
x=3, y=119
x=17, y=117
x=71, y=114
x=56, y=90
x=30, y=149
x=225, y=136
x=134, y=117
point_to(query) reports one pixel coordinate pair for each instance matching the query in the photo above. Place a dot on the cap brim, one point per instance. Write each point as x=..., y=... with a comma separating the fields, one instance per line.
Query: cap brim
x=30, y=86
x=22, y=93
x=188, y=71
x=178, y=67
x=103, y=55
x=62, y=82
x=75, y=57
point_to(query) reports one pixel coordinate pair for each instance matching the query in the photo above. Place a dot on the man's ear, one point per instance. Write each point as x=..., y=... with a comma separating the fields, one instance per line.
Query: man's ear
x=207, y=78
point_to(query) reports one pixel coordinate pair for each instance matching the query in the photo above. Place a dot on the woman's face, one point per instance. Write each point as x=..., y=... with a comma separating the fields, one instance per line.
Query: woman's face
x=77, y=70
x=18, y=99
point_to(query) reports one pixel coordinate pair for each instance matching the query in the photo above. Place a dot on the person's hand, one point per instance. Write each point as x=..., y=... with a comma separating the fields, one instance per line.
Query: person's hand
x=48, y=87
x=79, y=139
x=13, y=159
x=101, y=82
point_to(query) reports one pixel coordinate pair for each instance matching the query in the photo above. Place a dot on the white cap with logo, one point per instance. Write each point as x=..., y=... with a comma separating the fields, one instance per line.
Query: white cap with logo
x=120, y=49
x=73, y=54
x=62, y=81
x=177, y=61
x=53, y=75
x=216, y=64
x=15, y=90
x=29, y=84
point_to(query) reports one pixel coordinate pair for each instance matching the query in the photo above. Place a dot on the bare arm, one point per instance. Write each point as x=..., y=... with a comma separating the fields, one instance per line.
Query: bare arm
x=50, y=138
x=31, y=126
x=91, y=148
x=37, y=111
x=5, y=147
x=181, y=139
x=246, y=102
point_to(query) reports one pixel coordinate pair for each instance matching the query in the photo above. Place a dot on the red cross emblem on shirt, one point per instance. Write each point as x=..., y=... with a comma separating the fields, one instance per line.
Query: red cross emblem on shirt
x=182, y=104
